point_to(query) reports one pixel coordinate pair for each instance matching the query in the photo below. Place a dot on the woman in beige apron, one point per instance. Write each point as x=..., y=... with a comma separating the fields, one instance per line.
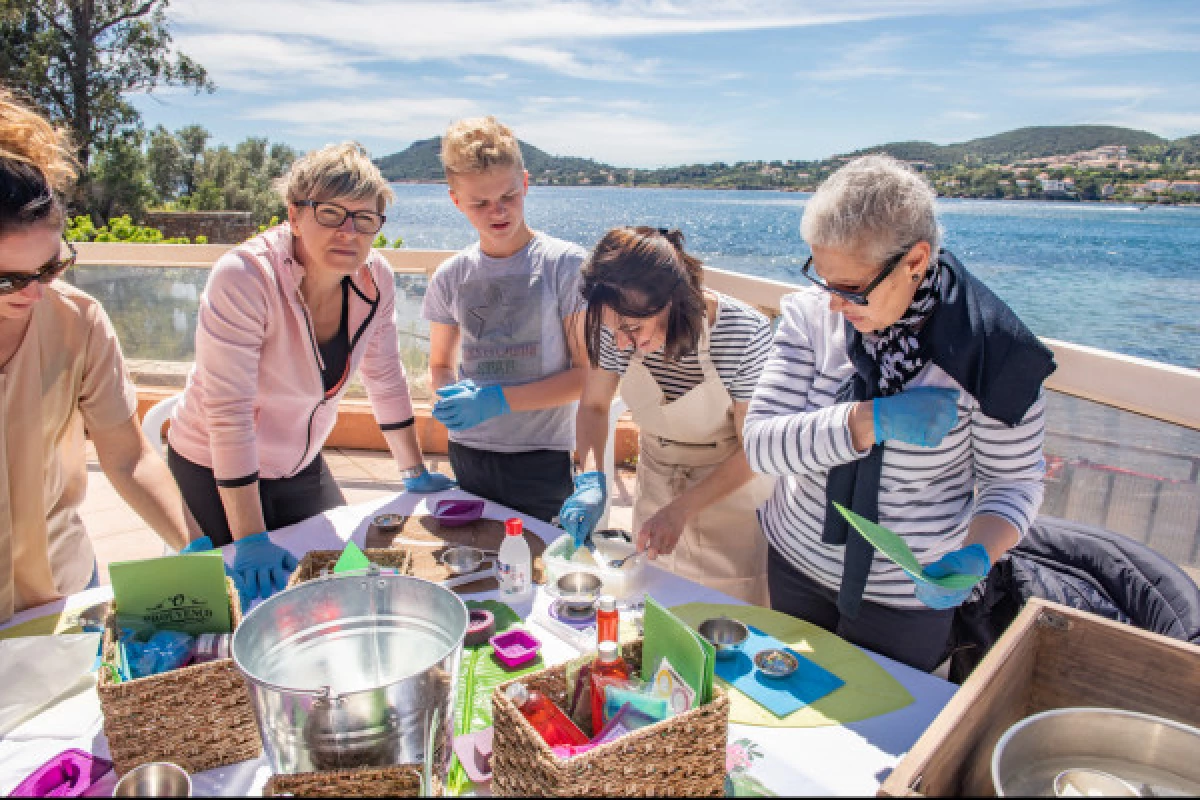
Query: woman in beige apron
x=695, y=509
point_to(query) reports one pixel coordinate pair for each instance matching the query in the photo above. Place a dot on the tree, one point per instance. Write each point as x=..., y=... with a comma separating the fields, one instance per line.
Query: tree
x=120, y=183
x=165, y=162
x=78, y=59
x=193, y=139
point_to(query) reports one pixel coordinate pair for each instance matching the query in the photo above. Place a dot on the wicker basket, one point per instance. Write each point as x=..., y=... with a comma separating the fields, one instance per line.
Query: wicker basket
x=198, y=717
x=403, y=780
x=317, y=562
x=683, y=756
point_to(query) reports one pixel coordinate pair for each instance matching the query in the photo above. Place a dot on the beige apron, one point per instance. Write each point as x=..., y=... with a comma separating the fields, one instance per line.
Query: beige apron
x=681, y=443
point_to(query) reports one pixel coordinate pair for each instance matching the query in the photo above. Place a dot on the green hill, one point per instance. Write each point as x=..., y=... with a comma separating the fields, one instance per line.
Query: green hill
x=1020, y=144
x=420, y=161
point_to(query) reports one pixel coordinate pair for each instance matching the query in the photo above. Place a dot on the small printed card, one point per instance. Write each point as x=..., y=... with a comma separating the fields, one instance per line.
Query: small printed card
x=179, y=593
x=668, y=684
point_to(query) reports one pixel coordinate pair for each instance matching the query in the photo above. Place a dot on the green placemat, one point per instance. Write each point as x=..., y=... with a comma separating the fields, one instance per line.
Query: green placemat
x=478, y=675
x=869, y=690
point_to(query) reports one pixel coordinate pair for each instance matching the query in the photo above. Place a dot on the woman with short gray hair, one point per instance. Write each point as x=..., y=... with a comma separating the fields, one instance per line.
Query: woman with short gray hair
x=902, y=388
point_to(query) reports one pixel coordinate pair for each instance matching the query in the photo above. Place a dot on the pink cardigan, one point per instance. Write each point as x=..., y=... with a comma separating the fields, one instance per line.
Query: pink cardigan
x=255, y=404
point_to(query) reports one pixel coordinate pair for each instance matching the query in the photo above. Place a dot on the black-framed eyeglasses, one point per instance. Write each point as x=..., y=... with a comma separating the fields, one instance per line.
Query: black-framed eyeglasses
x=857, y=298
x=11, y=282
x=331, y=215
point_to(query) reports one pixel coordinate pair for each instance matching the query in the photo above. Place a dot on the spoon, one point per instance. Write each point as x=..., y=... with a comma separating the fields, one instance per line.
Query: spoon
x=617, y=563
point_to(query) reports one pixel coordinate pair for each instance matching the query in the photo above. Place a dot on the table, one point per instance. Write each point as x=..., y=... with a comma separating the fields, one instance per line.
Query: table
x=850, y=759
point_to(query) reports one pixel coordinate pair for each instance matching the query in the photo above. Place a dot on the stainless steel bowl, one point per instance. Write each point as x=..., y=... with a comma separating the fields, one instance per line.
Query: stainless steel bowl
x=462, y=559
x=156, y=779
x=725, y=635
x=579, y=590
x=775, y=663
x=1152, y=754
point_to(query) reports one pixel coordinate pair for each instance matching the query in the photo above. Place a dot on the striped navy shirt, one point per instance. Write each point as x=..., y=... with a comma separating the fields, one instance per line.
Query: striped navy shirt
x=928, y=495
x=738, y=345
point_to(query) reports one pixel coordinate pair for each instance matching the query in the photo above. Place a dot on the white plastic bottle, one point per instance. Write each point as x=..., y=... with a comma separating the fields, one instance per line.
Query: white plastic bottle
x=514, y=565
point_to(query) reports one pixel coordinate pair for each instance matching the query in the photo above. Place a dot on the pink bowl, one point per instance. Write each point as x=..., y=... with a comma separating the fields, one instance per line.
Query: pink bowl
x=514, y=647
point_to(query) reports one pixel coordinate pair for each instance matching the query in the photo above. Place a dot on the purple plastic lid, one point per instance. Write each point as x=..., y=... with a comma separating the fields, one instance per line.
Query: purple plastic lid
x=514, y=647
x=68, y=774
x=457, y=512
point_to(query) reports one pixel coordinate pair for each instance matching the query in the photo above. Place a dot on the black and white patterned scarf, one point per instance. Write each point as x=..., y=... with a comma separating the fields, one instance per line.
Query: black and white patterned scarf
x=895, y=348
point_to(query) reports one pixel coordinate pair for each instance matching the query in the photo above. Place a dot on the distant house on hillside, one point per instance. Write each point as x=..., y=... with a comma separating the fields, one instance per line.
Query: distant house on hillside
x=1157, y=185
x=1107, y=190
x=1185, y=187
x=1051, y=185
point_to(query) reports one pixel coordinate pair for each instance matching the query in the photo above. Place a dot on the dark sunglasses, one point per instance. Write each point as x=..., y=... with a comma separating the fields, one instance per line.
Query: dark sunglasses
x=331, y=215
x=857, y=298
x=16, y=281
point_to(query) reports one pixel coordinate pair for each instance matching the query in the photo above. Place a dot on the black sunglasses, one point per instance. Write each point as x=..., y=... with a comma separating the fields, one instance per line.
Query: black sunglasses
x=331, y=215
x=857, y=298
x=11, y=282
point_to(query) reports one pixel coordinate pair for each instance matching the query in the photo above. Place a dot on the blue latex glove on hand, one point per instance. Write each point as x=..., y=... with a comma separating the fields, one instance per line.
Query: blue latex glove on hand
x=581, y=512
x=260, y=567
x=921, y=416
x=464, y=405
x=201, y=545
x=428, y=482
x=970, y=560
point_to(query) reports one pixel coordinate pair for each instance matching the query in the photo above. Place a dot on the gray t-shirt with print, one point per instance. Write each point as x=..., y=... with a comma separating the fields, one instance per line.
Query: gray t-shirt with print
x=510, y=314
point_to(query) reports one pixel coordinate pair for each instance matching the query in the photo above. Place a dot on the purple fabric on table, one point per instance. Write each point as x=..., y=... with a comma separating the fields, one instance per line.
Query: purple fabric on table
x=69, y=774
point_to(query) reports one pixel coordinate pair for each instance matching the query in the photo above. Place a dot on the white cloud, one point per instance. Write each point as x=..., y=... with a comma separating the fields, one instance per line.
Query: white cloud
x=1169, y=124
x=400, y=119
x=1102, y=36
x=1094, y=92
x=962, y=116
x=873, y=58
x=260, y=63
x=494, y=79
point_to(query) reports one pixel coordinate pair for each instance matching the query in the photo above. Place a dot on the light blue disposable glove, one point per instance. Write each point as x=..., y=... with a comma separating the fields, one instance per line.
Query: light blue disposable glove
x=464, y=405
x=970, y=560
x=921, y=416
x=201, y=545
x=581, y=512
x=260, y=567
x=428, y=482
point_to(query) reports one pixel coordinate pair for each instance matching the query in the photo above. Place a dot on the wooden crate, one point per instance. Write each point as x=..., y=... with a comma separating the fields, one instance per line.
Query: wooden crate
x=1051, y=657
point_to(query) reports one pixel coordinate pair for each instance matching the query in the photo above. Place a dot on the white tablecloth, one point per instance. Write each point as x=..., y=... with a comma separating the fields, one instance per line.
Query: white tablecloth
x=848, y=759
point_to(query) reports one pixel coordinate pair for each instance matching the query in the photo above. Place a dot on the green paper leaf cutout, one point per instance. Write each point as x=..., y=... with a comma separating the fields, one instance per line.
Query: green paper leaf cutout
x=352, y=558
x=893, y=546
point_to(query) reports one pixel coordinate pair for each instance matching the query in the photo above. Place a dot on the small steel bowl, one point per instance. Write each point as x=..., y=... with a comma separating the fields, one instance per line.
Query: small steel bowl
x=775, y=663
x=725, y=635
x=1091, y=783
x=156, y=779
x=579, y=590
x=462, y=559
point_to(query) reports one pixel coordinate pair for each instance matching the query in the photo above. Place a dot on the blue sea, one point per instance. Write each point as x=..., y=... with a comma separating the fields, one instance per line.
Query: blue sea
x=1109, y=276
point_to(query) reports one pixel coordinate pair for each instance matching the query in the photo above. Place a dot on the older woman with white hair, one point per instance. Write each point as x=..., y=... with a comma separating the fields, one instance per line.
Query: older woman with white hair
x=901, y=387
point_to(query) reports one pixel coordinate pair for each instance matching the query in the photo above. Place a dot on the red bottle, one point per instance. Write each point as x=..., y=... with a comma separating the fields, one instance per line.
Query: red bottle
x=546, y=718
x=608, y=664
x=607, y=619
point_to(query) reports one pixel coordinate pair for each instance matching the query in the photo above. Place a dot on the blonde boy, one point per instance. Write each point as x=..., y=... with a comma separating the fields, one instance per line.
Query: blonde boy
x=504, y=358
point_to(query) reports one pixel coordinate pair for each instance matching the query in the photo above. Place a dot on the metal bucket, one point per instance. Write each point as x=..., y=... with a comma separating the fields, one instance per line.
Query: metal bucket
x=354, y=671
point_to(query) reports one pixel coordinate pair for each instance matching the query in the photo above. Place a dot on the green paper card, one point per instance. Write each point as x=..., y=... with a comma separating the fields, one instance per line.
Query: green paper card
x=352, y=558
x=896, y=549
x=689, y=654
x=179, y=593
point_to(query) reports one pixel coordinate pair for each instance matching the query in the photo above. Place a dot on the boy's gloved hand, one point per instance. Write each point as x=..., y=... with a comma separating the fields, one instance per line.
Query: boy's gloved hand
x=921, y=416
x=581, y=512
x=201, y=545
x=260, y=567
x=970, y=560
x=464, y=405
x=428, y=482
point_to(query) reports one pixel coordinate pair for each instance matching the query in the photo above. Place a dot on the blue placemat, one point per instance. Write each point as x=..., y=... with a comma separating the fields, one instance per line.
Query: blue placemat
x=780, y=696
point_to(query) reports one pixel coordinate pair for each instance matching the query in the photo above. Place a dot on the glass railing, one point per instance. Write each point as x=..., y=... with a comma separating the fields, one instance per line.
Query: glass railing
x=1122, y=441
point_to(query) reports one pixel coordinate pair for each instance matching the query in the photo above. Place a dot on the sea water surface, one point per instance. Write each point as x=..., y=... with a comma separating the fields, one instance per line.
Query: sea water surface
x=1110, y=276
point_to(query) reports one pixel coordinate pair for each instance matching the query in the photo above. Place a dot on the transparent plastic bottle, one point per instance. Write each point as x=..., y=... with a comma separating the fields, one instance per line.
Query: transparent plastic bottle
x=608, y=619
x=546, y=718
x=514, y=565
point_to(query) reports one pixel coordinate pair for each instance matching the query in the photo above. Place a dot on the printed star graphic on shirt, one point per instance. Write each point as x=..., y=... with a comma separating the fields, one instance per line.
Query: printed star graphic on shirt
x=495, y=315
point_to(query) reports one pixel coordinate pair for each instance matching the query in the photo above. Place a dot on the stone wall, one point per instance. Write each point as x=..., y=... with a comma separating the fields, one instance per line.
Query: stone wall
x=221, y=227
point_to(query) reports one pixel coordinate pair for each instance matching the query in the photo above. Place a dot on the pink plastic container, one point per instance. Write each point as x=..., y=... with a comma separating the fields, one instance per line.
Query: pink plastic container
x=514, y=648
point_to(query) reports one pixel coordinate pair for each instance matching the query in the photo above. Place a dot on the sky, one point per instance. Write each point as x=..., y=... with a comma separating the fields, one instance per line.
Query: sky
x=647, y=83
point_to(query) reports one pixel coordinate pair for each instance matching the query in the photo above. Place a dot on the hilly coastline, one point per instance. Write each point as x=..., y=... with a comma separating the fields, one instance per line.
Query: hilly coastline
x=1014, y=164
